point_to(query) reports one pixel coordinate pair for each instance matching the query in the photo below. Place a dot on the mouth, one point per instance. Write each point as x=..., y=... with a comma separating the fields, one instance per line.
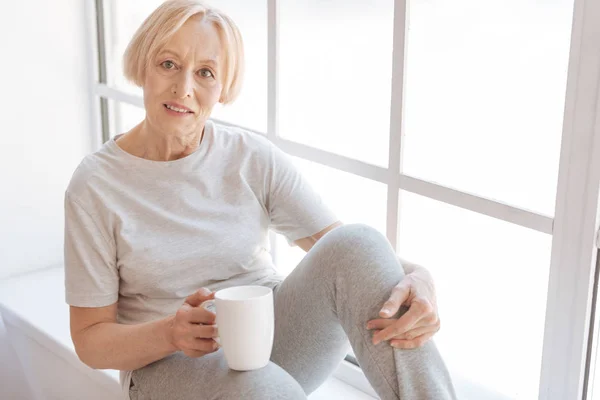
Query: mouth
x=178, y=109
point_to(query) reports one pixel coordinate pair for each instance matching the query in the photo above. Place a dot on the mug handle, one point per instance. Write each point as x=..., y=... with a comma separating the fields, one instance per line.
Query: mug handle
x=210, y=306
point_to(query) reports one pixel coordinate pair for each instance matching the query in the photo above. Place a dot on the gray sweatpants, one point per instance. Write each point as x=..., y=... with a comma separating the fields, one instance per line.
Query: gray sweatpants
x=320, y=308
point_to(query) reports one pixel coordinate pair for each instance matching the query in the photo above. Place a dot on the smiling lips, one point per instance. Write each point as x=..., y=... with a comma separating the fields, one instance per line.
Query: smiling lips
x=178, y=108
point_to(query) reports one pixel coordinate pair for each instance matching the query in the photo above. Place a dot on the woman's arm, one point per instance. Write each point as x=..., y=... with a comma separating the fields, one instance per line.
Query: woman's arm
x=308, y=242
x=102, y=343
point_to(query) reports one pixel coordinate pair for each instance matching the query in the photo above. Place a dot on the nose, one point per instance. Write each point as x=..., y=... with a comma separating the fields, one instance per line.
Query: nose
x=183, y=86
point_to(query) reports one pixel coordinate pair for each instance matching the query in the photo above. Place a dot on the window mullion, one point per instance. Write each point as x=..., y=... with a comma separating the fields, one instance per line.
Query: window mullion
x=273, y=69
x=93, y=74
x=574, y=234
x=396, y=120
x=102, y=67
x=273, y=87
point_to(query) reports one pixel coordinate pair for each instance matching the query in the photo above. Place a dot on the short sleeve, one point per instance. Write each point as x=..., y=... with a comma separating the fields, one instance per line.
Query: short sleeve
x=91, y=275
x=295, y=208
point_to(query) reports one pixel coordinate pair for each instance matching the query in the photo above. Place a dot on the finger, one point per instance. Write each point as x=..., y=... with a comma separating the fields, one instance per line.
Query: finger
x=380, y=323
x=204, y=345
x=204, y=331
x=200, y=315
x=404, y=324
x=429, y=323
x=420, y=313
x=411, y=344
x=194, y=353
x=195, y=315
x=190, y=352
x=419, y=331
x=196, y=298
x=399, y=295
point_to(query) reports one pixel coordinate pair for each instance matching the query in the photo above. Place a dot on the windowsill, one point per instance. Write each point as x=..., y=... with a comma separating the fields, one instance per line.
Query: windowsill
x=35, y=304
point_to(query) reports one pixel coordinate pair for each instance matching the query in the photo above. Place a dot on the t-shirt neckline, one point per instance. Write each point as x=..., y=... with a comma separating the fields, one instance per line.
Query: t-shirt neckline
x=204, y=143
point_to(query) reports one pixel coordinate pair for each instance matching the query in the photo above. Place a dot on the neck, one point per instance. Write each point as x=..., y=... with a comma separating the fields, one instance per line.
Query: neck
x=146, y=142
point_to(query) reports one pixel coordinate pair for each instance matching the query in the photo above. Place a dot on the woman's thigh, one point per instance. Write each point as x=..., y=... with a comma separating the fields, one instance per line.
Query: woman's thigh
x=208, y=378
x=309, y=340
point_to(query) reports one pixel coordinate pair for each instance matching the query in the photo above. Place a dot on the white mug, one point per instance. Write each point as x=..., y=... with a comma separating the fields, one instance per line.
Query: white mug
x=246, y=325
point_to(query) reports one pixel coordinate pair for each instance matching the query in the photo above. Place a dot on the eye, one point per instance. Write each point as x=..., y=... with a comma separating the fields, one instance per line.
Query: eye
x=168, y=64
x=206, y=73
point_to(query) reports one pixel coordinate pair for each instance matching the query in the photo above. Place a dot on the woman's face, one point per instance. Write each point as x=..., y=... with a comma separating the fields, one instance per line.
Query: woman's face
x=183, y=82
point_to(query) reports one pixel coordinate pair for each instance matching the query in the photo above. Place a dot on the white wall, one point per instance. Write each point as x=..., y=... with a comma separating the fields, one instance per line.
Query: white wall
x=45, y=126
x=45, y=130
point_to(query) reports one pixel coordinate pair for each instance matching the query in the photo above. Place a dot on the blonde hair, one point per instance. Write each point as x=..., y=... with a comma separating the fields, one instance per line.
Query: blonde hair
x=158, y=28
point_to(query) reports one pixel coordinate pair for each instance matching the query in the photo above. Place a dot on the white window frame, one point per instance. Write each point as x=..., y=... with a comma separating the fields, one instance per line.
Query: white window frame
x=565, y=369
x=568, y=354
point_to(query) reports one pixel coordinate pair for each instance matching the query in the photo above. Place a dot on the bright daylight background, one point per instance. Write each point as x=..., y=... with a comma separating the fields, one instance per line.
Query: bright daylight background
x=484, y=96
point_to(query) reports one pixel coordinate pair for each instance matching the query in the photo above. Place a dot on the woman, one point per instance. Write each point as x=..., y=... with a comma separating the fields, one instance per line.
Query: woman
x=164, y=215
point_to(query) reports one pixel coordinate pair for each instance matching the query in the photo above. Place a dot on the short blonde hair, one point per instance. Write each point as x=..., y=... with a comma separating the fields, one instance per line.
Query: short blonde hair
x=158, y=28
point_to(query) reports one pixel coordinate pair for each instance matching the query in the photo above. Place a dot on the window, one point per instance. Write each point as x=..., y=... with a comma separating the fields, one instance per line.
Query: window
x=123, y=116
x=505, y=268
x=341, y=66
x=485, y=97
x=462, y=130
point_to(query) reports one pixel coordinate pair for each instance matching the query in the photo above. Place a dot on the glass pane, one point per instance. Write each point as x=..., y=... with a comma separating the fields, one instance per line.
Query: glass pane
x=484, y=96
x=123, y=117
x=491, y=278
x=250, y=110
x=335, y=75
x=351, y=197
x=122, y=19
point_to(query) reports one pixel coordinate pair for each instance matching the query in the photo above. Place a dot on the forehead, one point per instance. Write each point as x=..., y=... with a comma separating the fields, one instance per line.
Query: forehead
x=196, y=39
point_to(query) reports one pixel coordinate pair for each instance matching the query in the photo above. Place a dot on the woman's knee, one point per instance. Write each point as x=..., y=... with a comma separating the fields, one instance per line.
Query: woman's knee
x=268, y=383
x=352, y=234
x=355, y=241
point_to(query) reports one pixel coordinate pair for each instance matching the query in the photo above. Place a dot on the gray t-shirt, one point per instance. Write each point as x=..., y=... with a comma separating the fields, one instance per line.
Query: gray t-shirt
x=146, y=234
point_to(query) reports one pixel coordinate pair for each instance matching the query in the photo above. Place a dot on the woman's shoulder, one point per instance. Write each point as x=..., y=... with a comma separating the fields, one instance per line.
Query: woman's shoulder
x=78, y=185
x=89, y=168
x=240, y=139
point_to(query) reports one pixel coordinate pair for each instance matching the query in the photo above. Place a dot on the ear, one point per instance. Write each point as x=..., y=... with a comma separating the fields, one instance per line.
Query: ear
x=222, y=96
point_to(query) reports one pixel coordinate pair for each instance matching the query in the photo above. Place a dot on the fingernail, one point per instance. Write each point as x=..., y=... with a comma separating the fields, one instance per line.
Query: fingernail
x=368, y=326
x=386, y=310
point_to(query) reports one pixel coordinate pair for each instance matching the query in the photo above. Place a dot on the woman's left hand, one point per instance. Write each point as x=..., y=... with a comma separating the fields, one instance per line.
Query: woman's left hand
x=419, y=323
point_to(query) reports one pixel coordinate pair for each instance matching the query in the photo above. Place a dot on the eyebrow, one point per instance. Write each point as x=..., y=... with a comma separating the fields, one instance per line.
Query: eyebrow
x=206, y=61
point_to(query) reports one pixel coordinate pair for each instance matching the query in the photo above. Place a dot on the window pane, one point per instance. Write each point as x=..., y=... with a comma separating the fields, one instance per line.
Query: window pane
x=491, y=278
x=351, y=197
x=484, y=96
x=335, y=75
x=122, y=19
x=123, y=117
x=250, y=110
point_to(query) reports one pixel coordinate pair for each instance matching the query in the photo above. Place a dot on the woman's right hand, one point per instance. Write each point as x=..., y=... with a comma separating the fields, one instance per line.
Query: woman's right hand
x=193, y=328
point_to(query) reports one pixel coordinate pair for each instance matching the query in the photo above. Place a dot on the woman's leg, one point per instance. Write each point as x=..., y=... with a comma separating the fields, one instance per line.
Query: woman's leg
x=208, y=378
x=328, y=298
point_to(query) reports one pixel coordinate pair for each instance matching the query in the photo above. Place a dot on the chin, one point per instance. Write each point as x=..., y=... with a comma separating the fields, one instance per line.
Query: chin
x=179, y=128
